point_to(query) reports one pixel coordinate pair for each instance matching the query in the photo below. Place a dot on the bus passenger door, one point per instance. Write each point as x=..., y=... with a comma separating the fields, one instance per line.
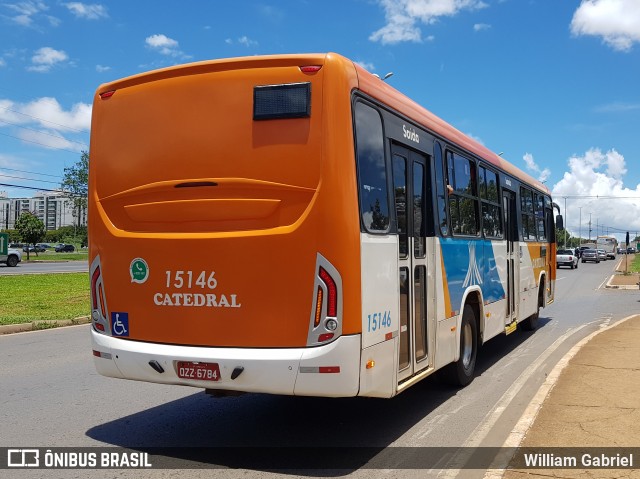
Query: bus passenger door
x=409, y=174
x=512, y=255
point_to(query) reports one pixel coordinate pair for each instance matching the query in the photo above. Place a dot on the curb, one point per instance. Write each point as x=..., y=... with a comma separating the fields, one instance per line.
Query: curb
x=40, y=325
x=610, y=285
x=528, y=418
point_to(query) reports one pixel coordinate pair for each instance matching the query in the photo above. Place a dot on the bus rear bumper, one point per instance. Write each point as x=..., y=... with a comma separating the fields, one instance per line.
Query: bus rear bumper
x=329, y=370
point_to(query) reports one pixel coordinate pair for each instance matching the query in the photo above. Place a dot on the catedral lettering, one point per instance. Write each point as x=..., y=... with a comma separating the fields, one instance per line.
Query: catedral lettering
x=196, y=299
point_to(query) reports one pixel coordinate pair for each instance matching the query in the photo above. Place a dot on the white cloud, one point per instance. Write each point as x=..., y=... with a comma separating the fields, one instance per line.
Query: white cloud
x=243, y=40
x=49, y=139
x=47, y=113
x=25, y=11
x=594, y=188
x=102, y=69
x=476, y=138
x=164, y=45
x=543, y=175
x=2, y=62
x=403, y=15
x=45, y=58
x=479, y=27
x=44, y=122
x=616, y=21
x=366, y=65
x=247, y=42
x=90, y=12
x=617, y=107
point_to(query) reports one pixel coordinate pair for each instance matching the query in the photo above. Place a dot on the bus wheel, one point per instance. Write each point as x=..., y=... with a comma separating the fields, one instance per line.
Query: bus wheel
x=461, y=372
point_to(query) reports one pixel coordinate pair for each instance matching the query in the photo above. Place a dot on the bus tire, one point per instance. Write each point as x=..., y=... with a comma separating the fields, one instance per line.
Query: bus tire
x=461, y=372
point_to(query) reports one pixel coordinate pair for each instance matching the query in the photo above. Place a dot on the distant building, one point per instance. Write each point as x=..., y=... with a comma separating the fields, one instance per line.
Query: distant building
x=54, y=209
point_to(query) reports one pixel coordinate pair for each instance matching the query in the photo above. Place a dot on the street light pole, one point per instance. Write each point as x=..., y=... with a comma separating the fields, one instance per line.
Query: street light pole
x=580, y=228
x=566, y=221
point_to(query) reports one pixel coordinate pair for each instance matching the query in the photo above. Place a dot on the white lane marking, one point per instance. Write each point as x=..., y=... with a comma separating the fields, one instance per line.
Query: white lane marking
x=480, y=433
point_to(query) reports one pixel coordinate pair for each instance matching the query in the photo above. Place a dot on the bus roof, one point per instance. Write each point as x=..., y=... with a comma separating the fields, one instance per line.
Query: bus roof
x=378, y=89
x=366, y=82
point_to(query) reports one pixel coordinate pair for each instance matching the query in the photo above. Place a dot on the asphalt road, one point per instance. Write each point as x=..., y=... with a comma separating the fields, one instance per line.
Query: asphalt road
x=52, y=397
x=40, y=266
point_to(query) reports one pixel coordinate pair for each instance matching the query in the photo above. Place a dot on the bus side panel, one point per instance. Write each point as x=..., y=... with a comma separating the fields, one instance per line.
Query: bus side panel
x=380, y=291
x=380, y=314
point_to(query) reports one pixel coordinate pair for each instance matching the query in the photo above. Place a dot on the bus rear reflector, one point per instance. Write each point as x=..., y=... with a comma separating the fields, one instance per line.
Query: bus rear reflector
x=107, y=94
x=329, y=369
x=289, y=100
x=325, y=337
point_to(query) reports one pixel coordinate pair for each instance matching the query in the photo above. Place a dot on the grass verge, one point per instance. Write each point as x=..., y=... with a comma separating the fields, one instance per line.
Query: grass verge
x=43, y=297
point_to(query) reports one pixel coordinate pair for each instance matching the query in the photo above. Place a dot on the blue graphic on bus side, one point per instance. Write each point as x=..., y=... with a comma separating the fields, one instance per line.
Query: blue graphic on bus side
x=468, y=263
x=120, y=324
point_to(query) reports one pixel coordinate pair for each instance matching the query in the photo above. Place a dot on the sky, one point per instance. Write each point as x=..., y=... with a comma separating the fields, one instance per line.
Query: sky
x=552, y=85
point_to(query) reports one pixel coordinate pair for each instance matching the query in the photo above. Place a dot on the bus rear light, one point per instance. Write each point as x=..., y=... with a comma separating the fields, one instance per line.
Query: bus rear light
x=310, y=68
x=325, y=322
x=332, y=303
x=319, y=297
x=101, y=296
x=94, y=290
x=107, y=94
x=99, y=310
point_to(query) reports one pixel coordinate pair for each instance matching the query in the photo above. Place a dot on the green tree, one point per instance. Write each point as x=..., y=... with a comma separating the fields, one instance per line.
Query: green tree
x=31, y=229
x=75, y=183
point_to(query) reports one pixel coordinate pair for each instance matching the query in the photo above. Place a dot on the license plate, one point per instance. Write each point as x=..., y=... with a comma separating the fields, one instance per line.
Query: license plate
x=199, y=371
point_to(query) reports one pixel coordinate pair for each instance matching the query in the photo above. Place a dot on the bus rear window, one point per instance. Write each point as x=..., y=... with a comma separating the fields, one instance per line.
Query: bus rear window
x=372, y=174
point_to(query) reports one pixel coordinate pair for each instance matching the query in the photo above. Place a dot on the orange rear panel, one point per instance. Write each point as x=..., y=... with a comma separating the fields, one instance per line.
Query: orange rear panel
x=225, y=214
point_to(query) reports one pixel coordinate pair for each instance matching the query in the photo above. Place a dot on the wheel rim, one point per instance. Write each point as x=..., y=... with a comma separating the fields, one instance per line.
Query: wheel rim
x=467, y=345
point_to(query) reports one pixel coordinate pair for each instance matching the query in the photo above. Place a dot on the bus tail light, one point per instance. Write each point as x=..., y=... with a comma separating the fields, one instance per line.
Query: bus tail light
x=310, y=68
x=99, y=311
x=326, y=313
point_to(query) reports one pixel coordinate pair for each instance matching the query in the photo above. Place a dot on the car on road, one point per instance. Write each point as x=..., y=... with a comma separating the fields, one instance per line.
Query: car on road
x=631, y=250
x=566, y=257
x=32, y=249
x=65, y=248
x=590, y=255
x=602, y=254
x=12, y=258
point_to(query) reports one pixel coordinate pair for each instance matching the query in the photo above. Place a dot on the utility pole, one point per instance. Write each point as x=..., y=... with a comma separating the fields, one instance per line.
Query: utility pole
x=565, y=222
x=580, y=228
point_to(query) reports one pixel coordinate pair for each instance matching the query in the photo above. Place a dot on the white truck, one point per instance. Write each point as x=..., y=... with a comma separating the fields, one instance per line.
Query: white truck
x=12, y=258
x=566, y=257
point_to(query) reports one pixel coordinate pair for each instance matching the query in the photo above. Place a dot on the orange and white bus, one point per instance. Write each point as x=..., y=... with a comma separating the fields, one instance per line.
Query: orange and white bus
x=294, y=225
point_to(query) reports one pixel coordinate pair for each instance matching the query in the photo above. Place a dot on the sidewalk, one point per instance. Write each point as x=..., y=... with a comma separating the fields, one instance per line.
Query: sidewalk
x=621, y=279
x=594, y=403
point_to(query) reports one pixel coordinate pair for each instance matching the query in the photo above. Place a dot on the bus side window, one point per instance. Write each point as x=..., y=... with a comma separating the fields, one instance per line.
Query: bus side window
x=440, y=190
x=463, y=203
x=372, y=174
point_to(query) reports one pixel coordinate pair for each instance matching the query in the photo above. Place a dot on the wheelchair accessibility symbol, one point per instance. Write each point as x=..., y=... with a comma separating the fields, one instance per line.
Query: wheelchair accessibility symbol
x=120, y=324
